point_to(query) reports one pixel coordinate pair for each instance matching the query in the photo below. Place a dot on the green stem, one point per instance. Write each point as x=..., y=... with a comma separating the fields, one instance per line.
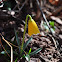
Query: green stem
x=25, y=31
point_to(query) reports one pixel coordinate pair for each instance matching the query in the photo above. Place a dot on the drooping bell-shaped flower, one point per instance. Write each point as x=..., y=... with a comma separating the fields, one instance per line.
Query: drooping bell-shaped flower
x=32, y=27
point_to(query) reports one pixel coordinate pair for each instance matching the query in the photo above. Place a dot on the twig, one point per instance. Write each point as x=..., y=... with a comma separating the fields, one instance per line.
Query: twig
x=56, y=19
x=44, y=58
x=44, y=17
x=55, y=12
x=43, y=14
x=4, y=48
x=10, y=47
x=15, y=7
x=18, y=3
x=53, y=40
x=56, y=42
x=17, y=47
x=14, y=46
x=49, y=6
x=23, y=5
x=49, y=13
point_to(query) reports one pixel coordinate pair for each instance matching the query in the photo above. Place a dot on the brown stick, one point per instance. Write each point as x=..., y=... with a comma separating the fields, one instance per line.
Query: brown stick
x=55, y=12
x=4, y=48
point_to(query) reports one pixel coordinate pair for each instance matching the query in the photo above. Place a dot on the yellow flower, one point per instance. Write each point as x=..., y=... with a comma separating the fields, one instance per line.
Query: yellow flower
x=32, y=27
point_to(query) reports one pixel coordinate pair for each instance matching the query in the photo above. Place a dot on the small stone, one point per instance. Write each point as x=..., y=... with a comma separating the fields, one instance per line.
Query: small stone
x=49, y=56
x=60, y=36
x=42, y=34
x=35, y=60
x=12, y=13
x=22, y=29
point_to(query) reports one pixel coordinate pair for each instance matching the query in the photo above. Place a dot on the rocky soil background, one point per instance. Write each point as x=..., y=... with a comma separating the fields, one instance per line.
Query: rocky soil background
x=15, y=18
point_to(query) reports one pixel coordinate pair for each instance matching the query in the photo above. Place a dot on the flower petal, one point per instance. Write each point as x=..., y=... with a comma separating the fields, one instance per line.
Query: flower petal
x=32, y=27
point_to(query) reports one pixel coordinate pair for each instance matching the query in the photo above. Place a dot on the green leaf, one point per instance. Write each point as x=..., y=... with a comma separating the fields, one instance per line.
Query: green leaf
x=29, y=51
x=27, y=57
x=36, y=51
x=52, y=23
x=16, y=59
x=18, y=42
x=3, y=52
x=23, y=56
x=27, y=42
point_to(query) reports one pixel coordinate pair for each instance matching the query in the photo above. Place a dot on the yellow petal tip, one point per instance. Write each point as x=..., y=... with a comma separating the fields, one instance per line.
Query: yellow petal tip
x=32, y=27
